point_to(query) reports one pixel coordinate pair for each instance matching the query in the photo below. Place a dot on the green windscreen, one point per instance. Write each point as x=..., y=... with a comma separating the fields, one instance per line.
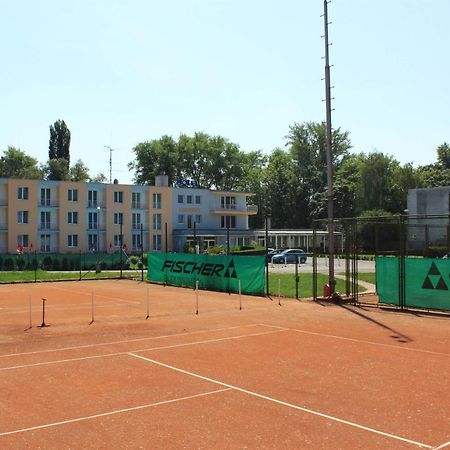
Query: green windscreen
x=216, y=273
x=427, y=282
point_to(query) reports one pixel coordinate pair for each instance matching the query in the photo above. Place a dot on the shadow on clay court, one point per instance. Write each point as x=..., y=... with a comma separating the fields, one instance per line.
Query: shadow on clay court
x=397, y=336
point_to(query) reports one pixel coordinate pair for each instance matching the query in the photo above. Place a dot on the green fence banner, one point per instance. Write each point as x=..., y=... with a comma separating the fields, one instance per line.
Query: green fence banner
x=216, y=273
x=387, y=280
x=427, y=282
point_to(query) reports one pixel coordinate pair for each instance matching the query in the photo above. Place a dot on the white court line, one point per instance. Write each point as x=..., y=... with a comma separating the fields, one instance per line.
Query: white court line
x=280, y=402
x=360, y=341
x=125, y=341
x=447, y=444
x=110, y=413
x=162, y=347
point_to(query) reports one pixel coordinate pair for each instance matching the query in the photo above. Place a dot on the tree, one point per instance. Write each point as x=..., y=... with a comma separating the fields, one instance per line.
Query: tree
x=280, y=183
x=308, y=150
x=154, y=158
x=56, y=169
x=79, y=172
x=59, y=149
x=437, y=174
x=99, y=178
x=17, y=164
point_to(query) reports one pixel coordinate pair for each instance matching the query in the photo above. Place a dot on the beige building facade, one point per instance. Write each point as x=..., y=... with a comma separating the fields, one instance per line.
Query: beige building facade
x=69, y=217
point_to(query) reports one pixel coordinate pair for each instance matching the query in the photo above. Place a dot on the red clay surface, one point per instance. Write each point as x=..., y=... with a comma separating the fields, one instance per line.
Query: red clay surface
x=299, y=375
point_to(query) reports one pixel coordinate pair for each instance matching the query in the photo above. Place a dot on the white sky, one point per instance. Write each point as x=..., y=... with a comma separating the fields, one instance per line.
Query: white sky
x=122, y=72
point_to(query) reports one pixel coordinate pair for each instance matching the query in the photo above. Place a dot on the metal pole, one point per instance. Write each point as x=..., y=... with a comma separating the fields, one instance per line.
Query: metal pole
x=195, y=237
x=240, y=295
x=121, y=248
x=267, y=255
x=196, y=297
x=329, y=154
x=142, y=252
x=228, y=218
x=97, y=266
x=296, y=279
x=165, y=233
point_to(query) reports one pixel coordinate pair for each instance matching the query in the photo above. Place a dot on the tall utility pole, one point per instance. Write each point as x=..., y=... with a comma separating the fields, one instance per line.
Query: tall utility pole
x=110, y=162
x=329, y=153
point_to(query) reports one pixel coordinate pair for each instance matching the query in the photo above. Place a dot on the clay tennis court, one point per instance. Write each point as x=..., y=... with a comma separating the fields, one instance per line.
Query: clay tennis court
x=242, y=373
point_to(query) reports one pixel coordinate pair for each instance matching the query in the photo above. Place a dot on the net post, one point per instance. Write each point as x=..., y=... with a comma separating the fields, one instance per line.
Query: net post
x=92, y=308
x=148, y=305
x=196, y=297
x=43, y=324
x=29, y=306
x=279, y=292
x=240, y=295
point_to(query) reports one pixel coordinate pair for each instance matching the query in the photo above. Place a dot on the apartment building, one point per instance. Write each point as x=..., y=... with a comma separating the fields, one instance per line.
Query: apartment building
x=66, y=217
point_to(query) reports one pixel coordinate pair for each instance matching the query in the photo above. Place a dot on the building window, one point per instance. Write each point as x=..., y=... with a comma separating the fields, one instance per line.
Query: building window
x=118, y=197
x=72, y=217
x=198, y=199
x=45, y=197
x=136, y=221
x=118, y=240
x=118, y=218
x=156, y=200
x=93, y=221
x=72, y=240
x=189, y=221
x=189, y=199
x=136, y=242
x=180, y=198
x=45, y=242
x=228, y=202
x=22, y=216
x=92, y=199
x=72, y=195
x=156, y=221
x=136, y=200
x=22, y=240
x=157, y=242
x=228, y=221
x=180, y=218
x=22, y=193
x=198, y=218
x=45, y=220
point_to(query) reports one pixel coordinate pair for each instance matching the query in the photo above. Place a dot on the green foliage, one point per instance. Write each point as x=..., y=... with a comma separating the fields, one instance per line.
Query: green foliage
x=216, y=250
x=79, y=172
x=59, y=143
x=9, y=264
x=56, y=169
x=59, y=152
x=17, y=164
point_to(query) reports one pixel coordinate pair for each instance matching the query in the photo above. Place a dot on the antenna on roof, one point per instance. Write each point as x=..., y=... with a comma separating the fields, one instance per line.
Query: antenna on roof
x=110, y=162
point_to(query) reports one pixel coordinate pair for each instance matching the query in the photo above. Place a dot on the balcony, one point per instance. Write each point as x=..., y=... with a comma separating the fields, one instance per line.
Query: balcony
x=47, y=203
x=233, y=210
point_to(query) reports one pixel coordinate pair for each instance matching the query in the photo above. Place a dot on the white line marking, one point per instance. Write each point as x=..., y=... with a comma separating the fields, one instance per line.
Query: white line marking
x=162, y=347
x=118, y=411
x=101, y=344
x=447, y=444
x=280, y=402
x=360, y=341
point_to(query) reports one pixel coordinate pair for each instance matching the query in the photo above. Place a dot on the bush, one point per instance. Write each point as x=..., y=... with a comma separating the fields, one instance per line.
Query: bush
x=9, y=264
x=437, y=251
x=64, y=264
x=47, y=263
x=21, y=263
x=134, y=260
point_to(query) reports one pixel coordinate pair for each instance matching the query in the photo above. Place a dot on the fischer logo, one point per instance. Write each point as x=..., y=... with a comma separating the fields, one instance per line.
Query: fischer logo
x=205, y=269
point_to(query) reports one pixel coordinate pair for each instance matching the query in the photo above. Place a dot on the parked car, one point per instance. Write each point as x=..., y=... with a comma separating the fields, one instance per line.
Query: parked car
x=290, y=255
x=271, y=252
